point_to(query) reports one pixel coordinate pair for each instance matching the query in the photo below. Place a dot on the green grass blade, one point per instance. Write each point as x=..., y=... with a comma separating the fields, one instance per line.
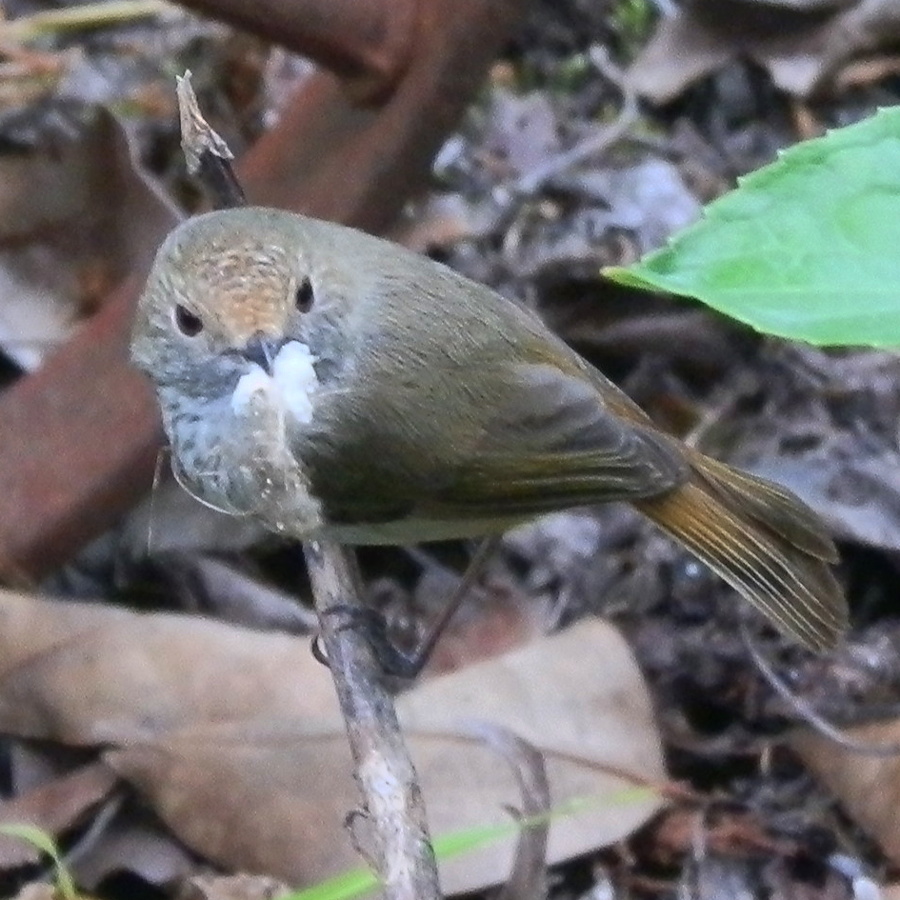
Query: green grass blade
x=40, y=840
x=358, y=882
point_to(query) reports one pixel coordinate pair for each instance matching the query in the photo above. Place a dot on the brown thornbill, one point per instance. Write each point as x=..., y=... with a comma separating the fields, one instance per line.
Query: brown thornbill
x=330, y=383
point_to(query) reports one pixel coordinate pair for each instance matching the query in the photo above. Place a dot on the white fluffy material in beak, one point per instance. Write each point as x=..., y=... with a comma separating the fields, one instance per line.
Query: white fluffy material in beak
x=291, y=385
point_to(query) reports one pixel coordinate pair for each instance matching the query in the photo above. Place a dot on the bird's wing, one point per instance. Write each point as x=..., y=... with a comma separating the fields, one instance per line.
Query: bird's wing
x=550, y=442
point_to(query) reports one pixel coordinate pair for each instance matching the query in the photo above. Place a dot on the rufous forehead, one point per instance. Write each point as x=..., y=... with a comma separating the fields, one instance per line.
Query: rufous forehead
x=244, y=286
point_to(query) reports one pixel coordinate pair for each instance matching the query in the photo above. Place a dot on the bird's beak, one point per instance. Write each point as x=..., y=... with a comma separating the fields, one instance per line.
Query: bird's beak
x=262, y=350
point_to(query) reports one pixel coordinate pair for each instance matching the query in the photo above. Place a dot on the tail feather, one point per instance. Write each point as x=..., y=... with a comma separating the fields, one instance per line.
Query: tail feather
x=764, y=542
x=770, y=503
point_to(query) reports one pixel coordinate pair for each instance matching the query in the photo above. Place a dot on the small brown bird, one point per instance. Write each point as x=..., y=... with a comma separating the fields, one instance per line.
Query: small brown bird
x=333, y=384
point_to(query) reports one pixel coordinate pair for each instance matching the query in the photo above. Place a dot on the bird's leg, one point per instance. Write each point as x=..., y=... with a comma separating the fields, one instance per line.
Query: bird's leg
x=482, y=555
x=395, y=661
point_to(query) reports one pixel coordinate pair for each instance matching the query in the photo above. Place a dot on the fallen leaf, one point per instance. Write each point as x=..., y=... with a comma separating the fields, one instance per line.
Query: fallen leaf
x=439, y=221
x=234, y=738
x=859, y=498
x=681, y=51
x=133, y=842
x=77, y=215
x=53, y=808
x=801, y=48
x=88, y=674
x=868, y=787
x=271, y=797
x=578, y=697
x=38, y=891
x=231, y=887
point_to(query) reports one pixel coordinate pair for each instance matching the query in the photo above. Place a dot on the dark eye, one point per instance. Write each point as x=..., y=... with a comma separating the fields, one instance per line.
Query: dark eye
x=303, y=298
x=188, y=323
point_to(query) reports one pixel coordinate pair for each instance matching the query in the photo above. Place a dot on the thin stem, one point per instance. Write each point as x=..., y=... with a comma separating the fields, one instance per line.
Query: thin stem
x=394, y=811
x=398, y=845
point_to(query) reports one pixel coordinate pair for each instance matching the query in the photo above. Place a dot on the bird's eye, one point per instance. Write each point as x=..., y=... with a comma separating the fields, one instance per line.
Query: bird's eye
x=188, y=323
x=304, y=296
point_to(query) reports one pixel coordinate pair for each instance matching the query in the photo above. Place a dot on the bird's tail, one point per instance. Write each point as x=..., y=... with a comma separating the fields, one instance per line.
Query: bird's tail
x=763, y=541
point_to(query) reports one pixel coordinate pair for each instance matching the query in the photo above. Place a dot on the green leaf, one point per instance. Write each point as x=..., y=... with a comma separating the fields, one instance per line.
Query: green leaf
x=806, y=248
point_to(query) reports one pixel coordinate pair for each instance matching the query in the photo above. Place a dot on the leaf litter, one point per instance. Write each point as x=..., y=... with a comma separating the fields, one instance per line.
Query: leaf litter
x=207, y=722
x=174, y=704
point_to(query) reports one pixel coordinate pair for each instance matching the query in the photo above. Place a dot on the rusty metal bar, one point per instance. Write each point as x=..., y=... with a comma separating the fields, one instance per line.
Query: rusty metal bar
x=366, y=43
x=384, y=155
x=79, y=437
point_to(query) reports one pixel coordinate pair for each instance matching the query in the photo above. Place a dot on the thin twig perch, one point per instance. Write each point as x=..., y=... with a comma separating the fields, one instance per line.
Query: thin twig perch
x=398, y=848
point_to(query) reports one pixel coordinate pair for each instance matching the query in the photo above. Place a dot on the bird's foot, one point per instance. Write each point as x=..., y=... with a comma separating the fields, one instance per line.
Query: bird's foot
x=373, y=625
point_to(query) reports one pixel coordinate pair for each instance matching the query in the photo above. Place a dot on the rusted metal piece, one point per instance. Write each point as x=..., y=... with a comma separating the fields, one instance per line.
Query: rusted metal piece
x=366, y=43
x=79, y=437
x=381, y=157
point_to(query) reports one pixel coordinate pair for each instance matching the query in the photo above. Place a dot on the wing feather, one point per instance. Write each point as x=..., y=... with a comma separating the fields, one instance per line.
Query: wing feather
x=553, y=444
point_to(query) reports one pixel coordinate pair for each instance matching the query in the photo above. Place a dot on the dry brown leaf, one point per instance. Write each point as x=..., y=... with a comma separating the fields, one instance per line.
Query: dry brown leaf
x=679, y=53
x=231, y=887
x=261, y=798
x=272, y=798
x=800, y=52
x=867, y=786
x=502, y=622
x=134, y=843
x=82, y=673
x=77, y=215
x=234, y=737
x=440, y=220
x=37, y=891
x=580, y=698
x=53, y=808
x=859, y=497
